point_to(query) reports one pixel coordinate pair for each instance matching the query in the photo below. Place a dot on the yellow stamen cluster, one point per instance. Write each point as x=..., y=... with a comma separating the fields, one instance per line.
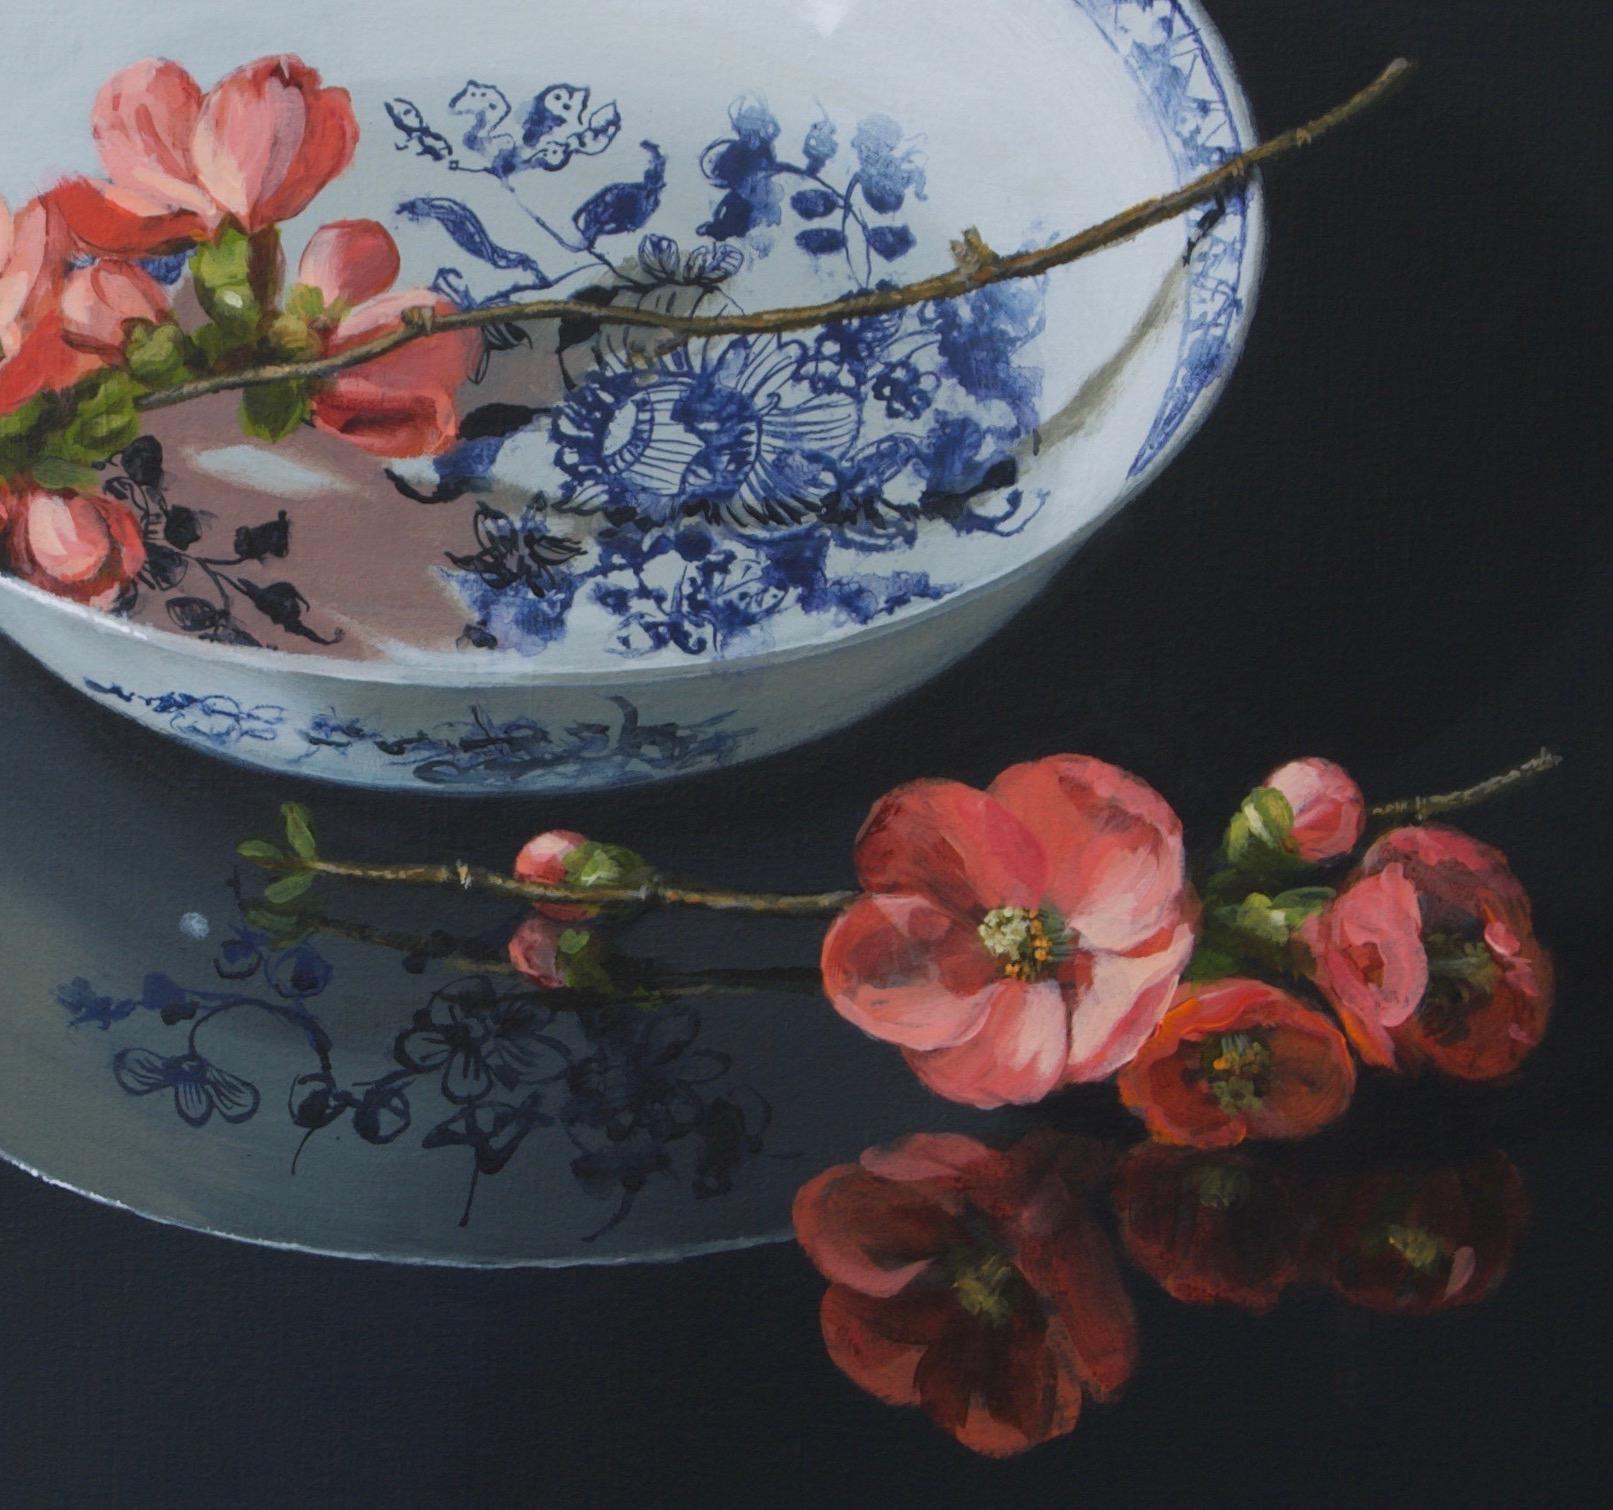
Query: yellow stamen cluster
x=980, y=1287
x=1020, y=939
x=1417, y=1245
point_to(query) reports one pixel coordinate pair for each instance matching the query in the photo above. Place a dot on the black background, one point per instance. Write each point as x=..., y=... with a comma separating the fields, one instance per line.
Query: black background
x=1388, y=545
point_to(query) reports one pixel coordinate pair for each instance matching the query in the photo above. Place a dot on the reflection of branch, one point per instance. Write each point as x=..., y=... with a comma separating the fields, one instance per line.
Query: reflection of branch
x=640, y=978
x=976, y=267
x=1420, y=809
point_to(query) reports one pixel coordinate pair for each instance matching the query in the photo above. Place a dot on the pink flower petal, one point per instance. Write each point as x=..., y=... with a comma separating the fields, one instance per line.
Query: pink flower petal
x=1017, y=1056
x=1121, y=1002
x=909, y=972
x=1116, y=869
x=945, y=840
x=144, y=119
x=350, y=260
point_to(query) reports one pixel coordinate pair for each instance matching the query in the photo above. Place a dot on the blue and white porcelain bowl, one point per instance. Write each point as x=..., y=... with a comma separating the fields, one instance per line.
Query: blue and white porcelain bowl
x=623, y=573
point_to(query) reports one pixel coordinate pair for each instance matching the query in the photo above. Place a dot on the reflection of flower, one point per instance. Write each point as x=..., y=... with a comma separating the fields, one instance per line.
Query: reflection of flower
x=1420, y=1241
x=1019, y=939
x=199, y=1088
x=1210, y=1226
x=1238, y=1059
x=971, y=1282
x=479, y=1038
x=721, y=434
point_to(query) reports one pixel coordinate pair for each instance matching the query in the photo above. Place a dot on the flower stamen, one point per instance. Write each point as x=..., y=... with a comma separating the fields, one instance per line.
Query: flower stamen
x=1237, y=1066
x=1021, y=939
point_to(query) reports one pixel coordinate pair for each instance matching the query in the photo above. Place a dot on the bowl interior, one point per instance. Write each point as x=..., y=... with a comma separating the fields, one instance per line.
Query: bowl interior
x=740, y=494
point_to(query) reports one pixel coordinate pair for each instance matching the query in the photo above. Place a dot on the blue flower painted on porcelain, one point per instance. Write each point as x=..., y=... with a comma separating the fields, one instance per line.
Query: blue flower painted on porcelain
x=214, y=719
x=199, y=1087
x=729, y=434
x=887, y=168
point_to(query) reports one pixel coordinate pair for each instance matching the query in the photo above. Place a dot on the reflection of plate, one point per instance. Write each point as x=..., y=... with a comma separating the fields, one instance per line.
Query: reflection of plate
x=890, y=490
x=137, y=1073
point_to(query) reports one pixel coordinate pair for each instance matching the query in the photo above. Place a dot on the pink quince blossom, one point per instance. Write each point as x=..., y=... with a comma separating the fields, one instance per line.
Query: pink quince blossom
x=87, y=548
x=1019, y=939
x=34, y=356
x=255, y=150
x=99, y=302
x=402, y=403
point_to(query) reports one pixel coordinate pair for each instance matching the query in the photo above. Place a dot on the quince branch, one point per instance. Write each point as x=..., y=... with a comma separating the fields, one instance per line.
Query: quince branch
x=976, y=266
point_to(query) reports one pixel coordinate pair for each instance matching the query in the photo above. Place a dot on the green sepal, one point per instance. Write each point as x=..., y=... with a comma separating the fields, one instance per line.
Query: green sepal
x=58, y=476
x=1260, y=836
x=605, y=865
x=158, y=355
x=305, y=303
x=271, y=411
x=581, y=956
x=222, y=272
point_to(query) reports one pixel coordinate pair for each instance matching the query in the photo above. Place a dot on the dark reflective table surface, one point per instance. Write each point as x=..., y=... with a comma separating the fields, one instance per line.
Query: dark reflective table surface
x=1389, y=546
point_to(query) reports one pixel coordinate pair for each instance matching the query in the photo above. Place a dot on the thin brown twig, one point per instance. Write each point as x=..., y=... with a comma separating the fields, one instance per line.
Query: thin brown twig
x=976, y=266
x=1420, y=809
x=660, y=891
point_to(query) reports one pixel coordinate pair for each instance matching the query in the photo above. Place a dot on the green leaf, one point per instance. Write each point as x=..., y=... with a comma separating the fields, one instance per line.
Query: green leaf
x=103, y=422
x=299, y=829
x=1210, y=963
x=288, y=888
x=259, y=849
x=60, y=476
x=271, y=411
x=159, y=355
x=573, y=940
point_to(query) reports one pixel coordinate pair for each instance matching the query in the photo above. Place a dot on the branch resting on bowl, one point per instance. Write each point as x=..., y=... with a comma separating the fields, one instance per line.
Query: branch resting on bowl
x=976, y=266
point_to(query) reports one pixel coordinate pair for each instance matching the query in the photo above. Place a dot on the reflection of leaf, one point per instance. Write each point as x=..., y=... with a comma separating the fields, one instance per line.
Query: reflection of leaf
x=288, y=888
x=468, y=232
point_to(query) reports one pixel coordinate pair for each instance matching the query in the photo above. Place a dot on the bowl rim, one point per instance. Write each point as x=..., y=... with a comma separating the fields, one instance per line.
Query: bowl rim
x=518, y=669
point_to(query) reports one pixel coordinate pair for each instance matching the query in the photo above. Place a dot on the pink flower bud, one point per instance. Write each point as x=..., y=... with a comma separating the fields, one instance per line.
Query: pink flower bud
x=535, y=951
x=98, y=302
x=543, y=860
x=88, y=549
x=1329, y=811
x=350, y=261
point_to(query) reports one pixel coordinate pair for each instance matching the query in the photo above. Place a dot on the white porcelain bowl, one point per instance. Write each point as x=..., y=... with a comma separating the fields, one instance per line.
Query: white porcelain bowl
x=625, y=574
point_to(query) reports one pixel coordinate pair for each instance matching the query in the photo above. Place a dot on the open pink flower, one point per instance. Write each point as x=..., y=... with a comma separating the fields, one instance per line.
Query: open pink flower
x=88, y=549
x=1365, y=951
x=99, y=302
x=255, y=149
x=400, y=404
x=34, y=256
x=1329, y=811
x=1490, y=982
x=972, y=1282
x=1018, y=939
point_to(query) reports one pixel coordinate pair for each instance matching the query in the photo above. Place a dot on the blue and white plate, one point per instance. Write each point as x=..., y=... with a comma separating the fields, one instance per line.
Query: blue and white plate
x=624, y=573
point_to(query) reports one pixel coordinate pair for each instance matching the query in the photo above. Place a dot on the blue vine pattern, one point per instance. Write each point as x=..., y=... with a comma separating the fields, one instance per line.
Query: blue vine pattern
x=728, y=481
x=475, y=752
x=481, y=1066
